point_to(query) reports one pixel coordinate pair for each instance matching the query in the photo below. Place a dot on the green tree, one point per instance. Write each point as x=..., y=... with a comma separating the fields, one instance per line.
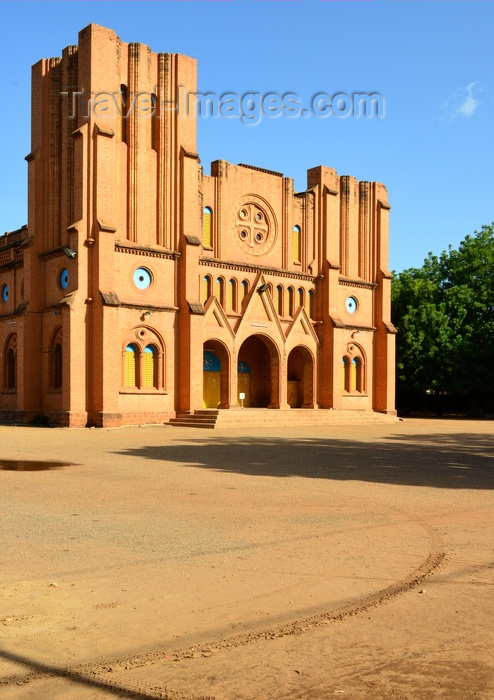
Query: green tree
x=444, y=313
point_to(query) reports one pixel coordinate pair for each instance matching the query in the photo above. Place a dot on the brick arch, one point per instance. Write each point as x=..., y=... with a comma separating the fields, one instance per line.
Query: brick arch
x=10, y=363
x=262, y=355
x=142, y=337
x=300, y=377
x=356, y=375
x=56, y=359
x=220, y=349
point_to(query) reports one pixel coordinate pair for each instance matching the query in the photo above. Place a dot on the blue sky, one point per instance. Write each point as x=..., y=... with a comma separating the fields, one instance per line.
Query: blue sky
x=430, y=61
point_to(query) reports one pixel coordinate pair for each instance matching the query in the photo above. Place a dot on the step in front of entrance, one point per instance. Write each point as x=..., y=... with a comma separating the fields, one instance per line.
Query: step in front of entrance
x=252, y=417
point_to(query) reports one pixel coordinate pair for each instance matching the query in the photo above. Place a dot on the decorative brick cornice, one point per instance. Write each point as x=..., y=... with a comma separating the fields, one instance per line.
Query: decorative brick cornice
x=53, y=253
x=260, y=170
x=196, y=309
x=390, y=328
x=383, y=204
x=245, y=267
x=360, y=284
x=106, y=226
x=192, y=240
x=190, y=154
x=338, y=323
x=104, y=132
x=148, y=252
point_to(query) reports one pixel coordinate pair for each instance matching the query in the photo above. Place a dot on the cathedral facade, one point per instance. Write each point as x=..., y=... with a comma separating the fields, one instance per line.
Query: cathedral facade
x=142, y=288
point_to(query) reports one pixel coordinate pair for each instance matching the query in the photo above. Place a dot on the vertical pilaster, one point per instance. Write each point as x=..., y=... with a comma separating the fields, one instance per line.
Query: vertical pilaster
x=132, y=144
x=363, y=234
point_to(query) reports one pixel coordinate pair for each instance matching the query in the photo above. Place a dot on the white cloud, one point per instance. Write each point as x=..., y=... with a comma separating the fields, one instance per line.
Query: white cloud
x=463, y=102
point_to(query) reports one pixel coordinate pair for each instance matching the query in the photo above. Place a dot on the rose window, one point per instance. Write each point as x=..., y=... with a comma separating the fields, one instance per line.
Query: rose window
x=254, y=229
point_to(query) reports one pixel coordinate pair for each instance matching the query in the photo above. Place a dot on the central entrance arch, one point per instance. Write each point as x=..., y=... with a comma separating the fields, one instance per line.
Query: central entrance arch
x=259, y=354
x=300, y=373
x=215, y=375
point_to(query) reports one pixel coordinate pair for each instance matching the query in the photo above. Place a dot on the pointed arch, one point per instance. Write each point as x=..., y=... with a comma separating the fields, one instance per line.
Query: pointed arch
x=56, y=360
x=10, y=368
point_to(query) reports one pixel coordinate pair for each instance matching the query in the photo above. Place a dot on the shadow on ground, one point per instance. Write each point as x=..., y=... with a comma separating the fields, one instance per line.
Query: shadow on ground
x=463, y=461
x=76, y=677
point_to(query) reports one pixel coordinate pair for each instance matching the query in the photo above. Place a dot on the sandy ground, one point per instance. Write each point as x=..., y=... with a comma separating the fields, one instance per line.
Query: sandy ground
x=352, y=562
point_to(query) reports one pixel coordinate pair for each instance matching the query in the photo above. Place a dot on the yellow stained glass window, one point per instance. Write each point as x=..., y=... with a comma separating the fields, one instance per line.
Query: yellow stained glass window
x=206, y=227
x=230, y=302
x=130, y=378
x=149, y=368
x=353, y=376
x=296, y=244
x=218, y=291
x=311, y=296
x=206, y=289
x=290, y=301
x=245, y=289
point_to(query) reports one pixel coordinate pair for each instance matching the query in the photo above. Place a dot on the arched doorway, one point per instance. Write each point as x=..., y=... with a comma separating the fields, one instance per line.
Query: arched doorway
x=243, y=384
x=300, y=376
x=215, y=375
x=259, y=354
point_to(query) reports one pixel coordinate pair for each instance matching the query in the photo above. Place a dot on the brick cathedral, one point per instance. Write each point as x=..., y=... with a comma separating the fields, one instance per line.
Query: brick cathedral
x=142, y=289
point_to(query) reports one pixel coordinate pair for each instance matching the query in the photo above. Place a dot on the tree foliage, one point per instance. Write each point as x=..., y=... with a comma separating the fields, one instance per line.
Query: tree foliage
x=444, y=313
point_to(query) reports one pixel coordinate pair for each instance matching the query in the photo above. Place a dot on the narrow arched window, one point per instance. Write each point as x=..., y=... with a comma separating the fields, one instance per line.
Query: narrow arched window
x=297, y=249
x=301, y=296
x=357, y=375
x=345, y=374
x=56, y=373
x=130, y=365
x=231, y=300
x=290, y=300
x=311, y=296
x=245, y=289
x=207, y=238
x=353, y=375
x=153, y=120
x=279, y=300
x=206, y=288
x=10, y=370
x=219, y=290
x=149, y=370
x=124, y=99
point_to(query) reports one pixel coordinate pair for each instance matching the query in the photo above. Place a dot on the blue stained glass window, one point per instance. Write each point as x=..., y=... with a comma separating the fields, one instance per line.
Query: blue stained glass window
x=211, y=362
x=64, y=278
x=142, y=278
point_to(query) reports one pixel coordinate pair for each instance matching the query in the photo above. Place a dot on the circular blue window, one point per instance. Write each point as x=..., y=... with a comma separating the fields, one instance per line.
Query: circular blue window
x=5, y=292
x=63, y=279
x=142, y=278
x=351, y=305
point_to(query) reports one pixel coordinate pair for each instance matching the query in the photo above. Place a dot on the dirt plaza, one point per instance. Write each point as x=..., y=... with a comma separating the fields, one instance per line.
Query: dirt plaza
x=303, y=562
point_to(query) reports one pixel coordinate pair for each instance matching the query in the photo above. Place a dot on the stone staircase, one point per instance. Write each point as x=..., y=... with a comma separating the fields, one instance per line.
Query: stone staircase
x=211, y=418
